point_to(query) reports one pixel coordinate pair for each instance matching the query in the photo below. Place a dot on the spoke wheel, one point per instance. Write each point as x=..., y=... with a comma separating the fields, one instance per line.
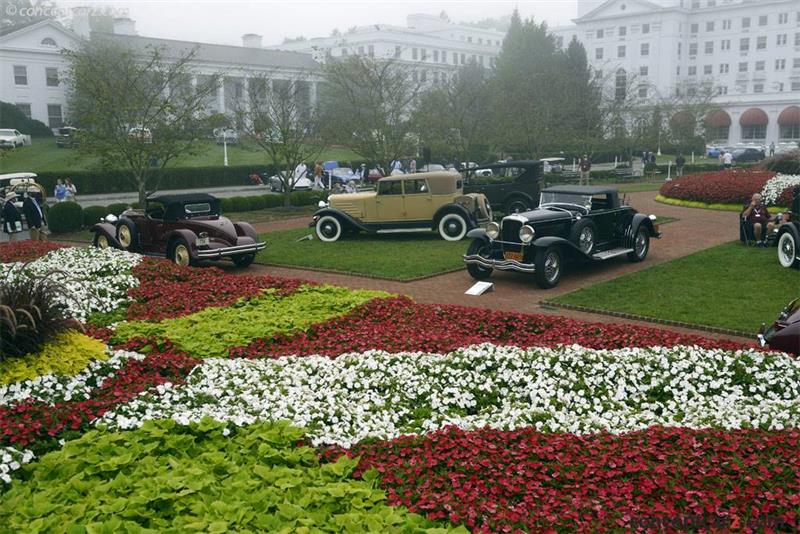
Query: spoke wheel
x=586, y=240
x=787, y=250
x=548, y=267
x=641, y=245
x=101, y=241
x=180, y=254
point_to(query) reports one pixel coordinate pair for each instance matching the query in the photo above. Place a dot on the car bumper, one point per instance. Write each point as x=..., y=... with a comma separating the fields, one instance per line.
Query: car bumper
x=226, y=252
x=500, y=265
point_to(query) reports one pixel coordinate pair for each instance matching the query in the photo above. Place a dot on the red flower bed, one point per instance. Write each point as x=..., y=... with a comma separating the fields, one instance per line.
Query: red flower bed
x=399, y=324
x=167, y=290
x=733, y=186
x=35, y=424
x=25, y=251
x=660, y=479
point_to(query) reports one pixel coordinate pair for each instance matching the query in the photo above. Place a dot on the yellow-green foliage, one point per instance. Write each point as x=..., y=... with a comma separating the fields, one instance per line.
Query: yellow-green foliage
x=211, y=332
x=68, y=354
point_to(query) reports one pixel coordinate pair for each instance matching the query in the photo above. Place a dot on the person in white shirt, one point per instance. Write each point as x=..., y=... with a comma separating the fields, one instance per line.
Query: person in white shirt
x=727, y=160
x=397, y=167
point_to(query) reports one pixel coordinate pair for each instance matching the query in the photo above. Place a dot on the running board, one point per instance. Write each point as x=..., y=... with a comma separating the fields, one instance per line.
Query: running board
x=402, y=230
x=613, y=253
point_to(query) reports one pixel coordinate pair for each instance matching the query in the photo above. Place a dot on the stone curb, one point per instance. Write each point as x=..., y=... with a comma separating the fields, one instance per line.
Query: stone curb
x=358, y=275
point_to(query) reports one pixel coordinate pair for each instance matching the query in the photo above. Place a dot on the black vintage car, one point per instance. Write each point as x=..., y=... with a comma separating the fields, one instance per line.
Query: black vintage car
x=571, y=222
x=788, y=235
x=510, y=186
x=784, y=334
x=183, y=227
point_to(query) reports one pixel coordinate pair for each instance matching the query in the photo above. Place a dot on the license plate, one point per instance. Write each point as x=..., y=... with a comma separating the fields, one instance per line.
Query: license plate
x=516, y=256
x=202, y=241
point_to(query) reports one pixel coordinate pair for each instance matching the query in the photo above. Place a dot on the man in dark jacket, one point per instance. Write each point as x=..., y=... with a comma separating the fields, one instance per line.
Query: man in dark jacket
x=34, y=215
x=12, y=222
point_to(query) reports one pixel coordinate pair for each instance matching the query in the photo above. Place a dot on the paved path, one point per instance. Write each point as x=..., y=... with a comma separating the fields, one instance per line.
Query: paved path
x=695, y=230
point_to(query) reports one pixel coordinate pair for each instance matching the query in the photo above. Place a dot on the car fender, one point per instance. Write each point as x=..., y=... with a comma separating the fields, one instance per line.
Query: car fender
x=188, y=235
x=341, y=216
x=792, y=228
x=638, y=220
x=452, y=208
x=478, y=233
x=551, y=240
x=244, y=229
x=109, y=230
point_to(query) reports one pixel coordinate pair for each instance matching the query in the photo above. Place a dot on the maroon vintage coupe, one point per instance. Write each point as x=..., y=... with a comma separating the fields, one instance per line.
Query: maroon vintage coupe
x=183, y=227
x=784, y=334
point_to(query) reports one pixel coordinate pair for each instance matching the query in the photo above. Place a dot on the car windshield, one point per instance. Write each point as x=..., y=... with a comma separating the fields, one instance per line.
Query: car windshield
x=6, y=132
x=552, y=197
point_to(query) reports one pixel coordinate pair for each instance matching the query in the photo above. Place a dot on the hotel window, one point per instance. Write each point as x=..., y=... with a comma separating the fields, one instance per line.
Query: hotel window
x=760, y=65
x=643, y=70
x=693, y=71
x=645, y=49
x=780, y=64
x=599, y=34
x=398, y=51
x=621, y=51
x=743, y=66
x=762, y=20
x=709, y=47
x=51, y=76
x=745, y=22
x=695, y=4
x=54, y=117
x=724, y=68
x=24, y=108
x=463, y=59
x=444, y=56
x=360, y=50
x=623, y=31
x=725, y=44
x=795, y=86
x=761, y=42
x=694, y=28
x=796, y=63
x=414, y=53
x=436, y=76
x=781, y=39
x=436, y=56
x=783, y=18
x=679, y=49
x=598, y=53
x=643, y=91
x=692, y=49
x=371, y=50
x=20, y=75
x=469, y=39
x=758, y=88
x=712, y=3
x=344, y=51
x=722, y=90
x=415, y=76
x=708, y=69
x=726, y=24
x=423, y=54
x=678, y=71
x=710, y=26
x=744, y=44
x=423, y=76
x=797, y=39
x=645, y=28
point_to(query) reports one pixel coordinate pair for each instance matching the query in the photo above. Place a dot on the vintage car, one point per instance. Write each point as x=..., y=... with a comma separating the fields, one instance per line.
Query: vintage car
x=21, y=183
x=185, y=228
x=788, y=235
x=421, y=202
x=784, y=334
x=571, y=222
x=67, y=137
x=302, y=183
x=510, y=186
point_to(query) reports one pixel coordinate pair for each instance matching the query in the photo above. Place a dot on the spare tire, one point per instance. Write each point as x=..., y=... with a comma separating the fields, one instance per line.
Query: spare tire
x=584, y=236
x=127, y=235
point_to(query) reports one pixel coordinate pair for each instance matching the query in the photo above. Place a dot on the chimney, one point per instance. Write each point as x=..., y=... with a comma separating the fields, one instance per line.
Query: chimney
x=251, y=40
x=124, y=26
x=80, y=21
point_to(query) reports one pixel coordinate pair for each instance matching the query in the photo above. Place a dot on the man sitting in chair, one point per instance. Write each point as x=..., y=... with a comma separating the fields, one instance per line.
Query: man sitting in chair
x=757, y=216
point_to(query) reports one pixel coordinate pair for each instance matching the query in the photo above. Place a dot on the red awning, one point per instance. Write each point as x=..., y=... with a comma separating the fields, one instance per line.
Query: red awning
x=718, y=118
x=789, y=116
x=754, y=117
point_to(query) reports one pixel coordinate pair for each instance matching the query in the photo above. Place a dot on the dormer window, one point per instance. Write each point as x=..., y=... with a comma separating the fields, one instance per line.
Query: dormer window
x=48, y=41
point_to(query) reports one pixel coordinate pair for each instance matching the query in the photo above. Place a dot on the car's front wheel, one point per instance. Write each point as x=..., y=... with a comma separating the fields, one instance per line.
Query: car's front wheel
x=453, y=227
x=641, y=245
x=547, y=262
x=328, y=228
x=127, y=235
x=482, y=248
x=243, y=260
x=516, y=205
x=787, y=250
x=100, y=240
x=180, y=253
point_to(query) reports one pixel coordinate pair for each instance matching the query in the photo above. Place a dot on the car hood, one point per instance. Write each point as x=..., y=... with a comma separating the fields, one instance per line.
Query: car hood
x=349, y=198
x=542, y=215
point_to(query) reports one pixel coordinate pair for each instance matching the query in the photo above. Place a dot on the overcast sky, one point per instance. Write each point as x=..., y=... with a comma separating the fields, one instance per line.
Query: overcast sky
x=225, y=22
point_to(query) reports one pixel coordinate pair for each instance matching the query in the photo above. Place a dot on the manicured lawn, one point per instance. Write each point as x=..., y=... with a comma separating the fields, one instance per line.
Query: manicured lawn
x=399, y=257
x=729, y=286
x=43, y=155
x=640, y=187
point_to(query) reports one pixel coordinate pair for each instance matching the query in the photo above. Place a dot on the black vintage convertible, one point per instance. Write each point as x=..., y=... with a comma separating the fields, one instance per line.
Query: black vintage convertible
x=571, y=222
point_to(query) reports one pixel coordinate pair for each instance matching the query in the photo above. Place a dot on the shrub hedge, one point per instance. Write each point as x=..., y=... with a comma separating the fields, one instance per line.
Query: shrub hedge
x=93, y=214
x=65, y=217
x=787, y=163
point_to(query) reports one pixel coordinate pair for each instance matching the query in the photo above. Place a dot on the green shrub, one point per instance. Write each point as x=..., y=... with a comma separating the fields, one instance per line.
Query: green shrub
x=12, y=117
x=256, y=203
x=273, y=201
x=226, y=205
x=786, y=163
x=65, y=217
x=239, y=204
x=202, y=477
x=93, y=214
x=117, y=208
x=307, y=198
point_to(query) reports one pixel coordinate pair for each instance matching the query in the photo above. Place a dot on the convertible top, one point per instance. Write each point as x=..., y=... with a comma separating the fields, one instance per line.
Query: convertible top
x=580, y=190
x=182, y=198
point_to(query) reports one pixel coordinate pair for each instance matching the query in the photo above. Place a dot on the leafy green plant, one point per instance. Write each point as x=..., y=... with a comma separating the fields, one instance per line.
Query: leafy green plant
x=204, y=477
x=65, y=217
x=211, y=332
x=68, y=353
x=117, y=208
x=93, y=214
x=32, y=312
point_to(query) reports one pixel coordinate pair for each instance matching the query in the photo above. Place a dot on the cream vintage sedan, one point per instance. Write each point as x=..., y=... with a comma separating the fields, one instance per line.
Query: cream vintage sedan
x=423, y=202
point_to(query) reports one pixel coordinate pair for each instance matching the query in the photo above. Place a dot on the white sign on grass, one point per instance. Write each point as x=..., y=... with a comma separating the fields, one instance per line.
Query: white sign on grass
x=480, y=288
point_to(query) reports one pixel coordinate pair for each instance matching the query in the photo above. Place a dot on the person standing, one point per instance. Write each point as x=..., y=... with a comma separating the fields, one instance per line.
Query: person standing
x=72, y=191
x=12, y=222
x=34, y=215
x=299, y=173
x=585, y=166
x=60, y=191
x=727, y=160
x=412, y=166
x=318, y=175
x=772, y=149
x=680, y=161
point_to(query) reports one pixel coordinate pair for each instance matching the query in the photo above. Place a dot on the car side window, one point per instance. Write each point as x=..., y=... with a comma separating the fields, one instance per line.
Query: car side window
x=155, y=210
x=416, y=187
x=600, y=202
x=390, y=187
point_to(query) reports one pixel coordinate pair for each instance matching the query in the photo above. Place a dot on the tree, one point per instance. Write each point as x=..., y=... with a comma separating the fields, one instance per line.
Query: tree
x=118, y=95
x=688, y=109
x=453, y=117
x=370, y=101
x=278, y=115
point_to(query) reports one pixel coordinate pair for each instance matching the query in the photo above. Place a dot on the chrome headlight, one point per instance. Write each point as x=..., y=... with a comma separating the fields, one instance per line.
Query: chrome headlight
x=110, y=218
x=526, y=234
x=493, y=230
x=322, y=204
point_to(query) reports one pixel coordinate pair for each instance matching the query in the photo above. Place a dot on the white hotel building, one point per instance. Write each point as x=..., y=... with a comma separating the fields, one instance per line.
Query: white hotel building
x=748, y=49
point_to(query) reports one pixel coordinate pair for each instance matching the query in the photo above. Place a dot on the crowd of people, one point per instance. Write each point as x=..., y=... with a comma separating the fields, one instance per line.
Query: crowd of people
x=35, y=217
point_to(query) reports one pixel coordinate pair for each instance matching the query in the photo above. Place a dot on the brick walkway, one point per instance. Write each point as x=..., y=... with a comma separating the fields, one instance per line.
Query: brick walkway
x=695, y=230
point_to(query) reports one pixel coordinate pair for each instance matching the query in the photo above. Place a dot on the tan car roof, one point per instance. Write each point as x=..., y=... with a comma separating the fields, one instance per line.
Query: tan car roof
x=440, y=182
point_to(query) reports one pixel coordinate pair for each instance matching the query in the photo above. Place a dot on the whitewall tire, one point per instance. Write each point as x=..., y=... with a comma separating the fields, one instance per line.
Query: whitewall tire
x=453, y=227
x=328, y=228
x=787, y=250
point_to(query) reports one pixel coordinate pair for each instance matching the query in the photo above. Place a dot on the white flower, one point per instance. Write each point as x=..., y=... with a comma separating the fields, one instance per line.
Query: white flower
x=777, y=185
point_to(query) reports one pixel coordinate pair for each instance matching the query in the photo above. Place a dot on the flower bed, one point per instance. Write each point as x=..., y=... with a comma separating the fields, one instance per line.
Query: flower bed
x=779, y=190
x=67, y=354
x=733, y=186
x=25, y=251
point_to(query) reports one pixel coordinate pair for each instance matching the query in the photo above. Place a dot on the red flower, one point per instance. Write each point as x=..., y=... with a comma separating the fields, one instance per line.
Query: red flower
x=25, y=251
x=734, y=186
